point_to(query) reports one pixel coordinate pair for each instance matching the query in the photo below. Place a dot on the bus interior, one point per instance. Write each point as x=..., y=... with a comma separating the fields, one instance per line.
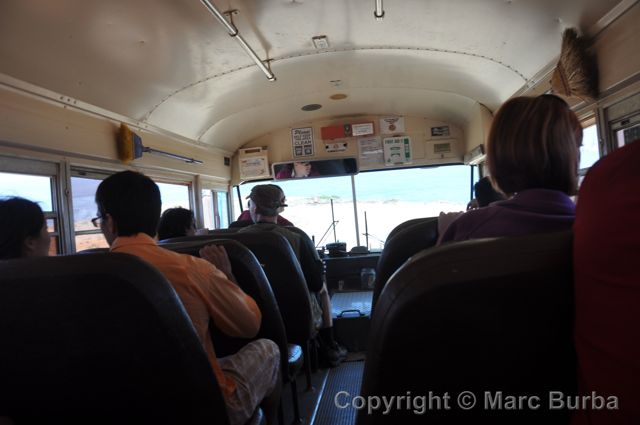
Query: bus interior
x=388, y=105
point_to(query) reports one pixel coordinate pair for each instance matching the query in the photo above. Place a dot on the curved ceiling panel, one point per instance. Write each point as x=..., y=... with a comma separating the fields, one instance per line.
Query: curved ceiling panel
x=387, y=74
x=250, y=124
x=171, y=63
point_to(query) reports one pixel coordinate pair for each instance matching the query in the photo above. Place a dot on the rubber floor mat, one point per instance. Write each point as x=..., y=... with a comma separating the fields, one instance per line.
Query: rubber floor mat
x=343, y=380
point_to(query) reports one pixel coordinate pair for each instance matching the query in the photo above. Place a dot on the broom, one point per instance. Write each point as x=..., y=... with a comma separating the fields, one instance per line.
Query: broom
x=130, y=147
x=577, y=71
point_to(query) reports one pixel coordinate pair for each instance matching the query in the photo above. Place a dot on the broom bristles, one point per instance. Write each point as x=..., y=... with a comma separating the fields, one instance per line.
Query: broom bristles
x=125, y=144
x=577, y=72
x=129, y=144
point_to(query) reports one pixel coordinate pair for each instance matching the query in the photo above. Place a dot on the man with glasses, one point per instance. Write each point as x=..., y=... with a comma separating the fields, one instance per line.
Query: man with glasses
x=128, y=212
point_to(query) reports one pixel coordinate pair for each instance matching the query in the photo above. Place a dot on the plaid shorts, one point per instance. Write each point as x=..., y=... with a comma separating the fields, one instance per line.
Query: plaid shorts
x=256, y=370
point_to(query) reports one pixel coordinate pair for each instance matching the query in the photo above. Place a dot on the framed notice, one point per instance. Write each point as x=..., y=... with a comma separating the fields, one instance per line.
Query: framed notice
x=302, y=142
x=391, y=125
x=370, y=150
x=397, y=150
x=362, y=129
x=441, y=131
x=254, y=167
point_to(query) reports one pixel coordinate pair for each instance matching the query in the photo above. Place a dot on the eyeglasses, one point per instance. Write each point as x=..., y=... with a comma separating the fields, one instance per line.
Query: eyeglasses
x=96, y=221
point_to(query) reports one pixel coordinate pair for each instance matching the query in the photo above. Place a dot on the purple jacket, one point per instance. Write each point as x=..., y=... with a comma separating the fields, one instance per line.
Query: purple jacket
x=528, y=212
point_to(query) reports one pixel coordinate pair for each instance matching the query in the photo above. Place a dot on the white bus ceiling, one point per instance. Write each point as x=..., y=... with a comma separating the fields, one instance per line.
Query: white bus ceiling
x=170, y=64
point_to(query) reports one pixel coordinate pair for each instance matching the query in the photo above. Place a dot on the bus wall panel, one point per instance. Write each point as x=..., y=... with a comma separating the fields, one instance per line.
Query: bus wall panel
x=31, y=123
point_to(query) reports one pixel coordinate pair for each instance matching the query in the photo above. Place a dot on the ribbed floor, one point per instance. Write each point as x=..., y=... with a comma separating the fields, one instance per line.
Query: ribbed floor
x=347, y=377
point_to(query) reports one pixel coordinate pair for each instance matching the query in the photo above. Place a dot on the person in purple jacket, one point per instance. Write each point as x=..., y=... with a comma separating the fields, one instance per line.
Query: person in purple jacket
x=533, y=156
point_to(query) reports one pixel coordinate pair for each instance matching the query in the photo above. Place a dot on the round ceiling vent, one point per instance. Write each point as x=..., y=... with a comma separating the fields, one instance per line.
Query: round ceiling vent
x=311, y=107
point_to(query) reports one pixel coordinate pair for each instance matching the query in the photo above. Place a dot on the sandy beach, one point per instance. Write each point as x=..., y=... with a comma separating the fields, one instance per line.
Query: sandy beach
x=314, y=217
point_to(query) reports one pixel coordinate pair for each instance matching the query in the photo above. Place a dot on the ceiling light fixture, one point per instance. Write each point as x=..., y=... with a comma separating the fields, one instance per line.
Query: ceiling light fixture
x=338, y=96
x=378, y=13
x=311, y=107
x=320, y=42
x=233, y=32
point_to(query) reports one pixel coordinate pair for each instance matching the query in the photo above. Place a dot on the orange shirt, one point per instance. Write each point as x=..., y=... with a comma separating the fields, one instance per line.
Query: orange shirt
x=206, y=293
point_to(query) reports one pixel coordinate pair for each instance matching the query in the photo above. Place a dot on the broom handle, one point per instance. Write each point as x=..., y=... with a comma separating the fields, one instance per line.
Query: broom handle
x=172, y=155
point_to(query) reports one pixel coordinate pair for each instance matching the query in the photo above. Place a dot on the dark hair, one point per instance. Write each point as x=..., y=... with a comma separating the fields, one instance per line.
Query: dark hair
x=174, y=223
x=19, y=219
x=485, y=193
x=533, y=143
x=132, y=200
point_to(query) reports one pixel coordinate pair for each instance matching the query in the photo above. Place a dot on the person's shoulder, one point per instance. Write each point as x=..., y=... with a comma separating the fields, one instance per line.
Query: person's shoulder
x=241, y=223
x=462, y=227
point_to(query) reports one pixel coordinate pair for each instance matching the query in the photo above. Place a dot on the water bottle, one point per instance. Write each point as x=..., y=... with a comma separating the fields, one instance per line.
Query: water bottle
x=367, y=278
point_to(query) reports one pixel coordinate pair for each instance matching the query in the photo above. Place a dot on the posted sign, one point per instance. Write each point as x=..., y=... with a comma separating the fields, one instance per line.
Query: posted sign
x=397, y=150
x=302, y=141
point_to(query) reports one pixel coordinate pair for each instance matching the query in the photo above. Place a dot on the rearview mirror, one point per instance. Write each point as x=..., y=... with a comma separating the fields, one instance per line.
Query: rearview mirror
x=315, y=168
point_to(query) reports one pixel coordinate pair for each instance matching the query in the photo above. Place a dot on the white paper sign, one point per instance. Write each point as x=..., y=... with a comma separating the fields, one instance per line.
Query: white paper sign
x=254, y=167
x=364, y=129
x=391, y=125
x=336, y=147
x=370, y=150
x=302, y=141
x=397, y=150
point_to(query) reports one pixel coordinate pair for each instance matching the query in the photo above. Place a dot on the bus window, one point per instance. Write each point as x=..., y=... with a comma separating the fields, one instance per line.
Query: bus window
x=39, y=189
x=391, y=197
x=589, y=152
x=174, y=195
x=215, y=209
x=309, y=206
x=627, y=135
x=83, y=191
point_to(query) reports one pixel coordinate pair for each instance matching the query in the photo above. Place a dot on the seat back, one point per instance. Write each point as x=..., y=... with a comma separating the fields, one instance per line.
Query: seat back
x=252, y=280
x=100, y=338
x=406, y=224
x=487, y=315
x=413, y=236
x=284, y=274
x=310, y=263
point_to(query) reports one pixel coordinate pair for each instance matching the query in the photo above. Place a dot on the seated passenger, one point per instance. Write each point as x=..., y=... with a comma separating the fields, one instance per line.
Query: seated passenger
x=266, y=202
x=176, y=222
x=485, y=195
x=245, y=219
x=533, y=156
x=129, y=210
x=23, y=229
x=606, y=249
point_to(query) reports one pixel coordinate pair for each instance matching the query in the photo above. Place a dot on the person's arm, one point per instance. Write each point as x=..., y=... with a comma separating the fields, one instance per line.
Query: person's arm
x=233, y=311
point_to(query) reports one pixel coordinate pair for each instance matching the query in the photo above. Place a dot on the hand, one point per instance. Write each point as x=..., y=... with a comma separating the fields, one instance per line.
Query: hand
x=217, y=255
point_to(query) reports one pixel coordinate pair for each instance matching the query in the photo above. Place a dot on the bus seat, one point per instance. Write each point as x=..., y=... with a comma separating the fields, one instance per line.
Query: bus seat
x=289, y=284
x=310, y=263
x=412, y=237
x=100, y=338
x=286, y=278
x=254, y=282
x=406, y=224
x=483, y=315
x=93, y=251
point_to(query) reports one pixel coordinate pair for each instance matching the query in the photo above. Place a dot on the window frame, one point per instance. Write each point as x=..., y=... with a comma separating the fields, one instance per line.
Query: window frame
x=57, y=172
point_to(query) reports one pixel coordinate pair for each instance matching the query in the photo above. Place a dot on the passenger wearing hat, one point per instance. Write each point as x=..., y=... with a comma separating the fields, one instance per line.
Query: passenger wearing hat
x=266, y=202
x=266, y=191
